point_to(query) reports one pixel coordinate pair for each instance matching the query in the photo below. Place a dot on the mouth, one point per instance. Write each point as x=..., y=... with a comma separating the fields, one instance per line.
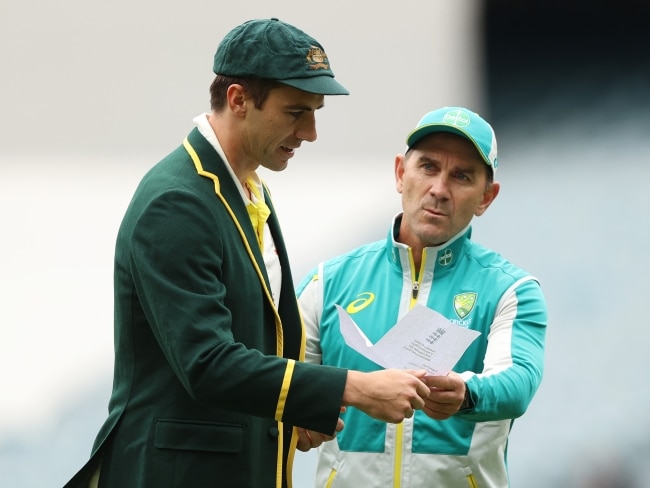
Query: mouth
x=434, y=212
x=289, y=151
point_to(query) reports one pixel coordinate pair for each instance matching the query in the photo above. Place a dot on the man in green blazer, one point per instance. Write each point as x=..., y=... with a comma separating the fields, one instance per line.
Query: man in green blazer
x=209, y=386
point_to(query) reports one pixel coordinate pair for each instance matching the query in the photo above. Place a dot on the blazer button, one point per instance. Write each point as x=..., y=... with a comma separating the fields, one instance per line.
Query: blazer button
x=274, y=432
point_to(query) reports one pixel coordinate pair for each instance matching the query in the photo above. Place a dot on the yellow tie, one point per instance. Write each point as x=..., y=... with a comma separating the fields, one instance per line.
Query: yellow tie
x=258, y=212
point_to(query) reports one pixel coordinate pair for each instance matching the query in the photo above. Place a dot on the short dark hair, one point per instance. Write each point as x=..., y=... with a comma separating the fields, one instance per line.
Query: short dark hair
x=257, y=88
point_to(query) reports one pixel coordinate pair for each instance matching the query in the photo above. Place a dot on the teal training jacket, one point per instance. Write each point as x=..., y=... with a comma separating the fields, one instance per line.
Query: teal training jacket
x=471, y=286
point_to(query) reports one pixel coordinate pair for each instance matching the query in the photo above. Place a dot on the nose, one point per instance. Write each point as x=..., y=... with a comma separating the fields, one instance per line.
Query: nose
x=438, y=186
x=306, y=130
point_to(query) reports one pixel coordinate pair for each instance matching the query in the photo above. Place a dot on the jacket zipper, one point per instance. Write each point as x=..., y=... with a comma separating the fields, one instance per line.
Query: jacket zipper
x=415, y=290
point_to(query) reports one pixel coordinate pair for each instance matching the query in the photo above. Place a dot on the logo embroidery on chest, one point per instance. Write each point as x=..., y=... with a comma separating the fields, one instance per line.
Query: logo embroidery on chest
x=365, y=299
x=464, y=303
x=445, y=257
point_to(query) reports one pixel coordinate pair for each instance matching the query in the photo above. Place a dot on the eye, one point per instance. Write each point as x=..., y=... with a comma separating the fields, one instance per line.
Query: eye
x=427, y=167
x=461, y=175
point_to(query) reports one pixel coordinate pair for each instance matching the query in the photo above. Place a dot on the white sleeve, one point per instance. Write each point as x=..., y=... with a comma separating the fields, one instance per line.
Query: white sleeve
x=498, y=356
x=311, y=308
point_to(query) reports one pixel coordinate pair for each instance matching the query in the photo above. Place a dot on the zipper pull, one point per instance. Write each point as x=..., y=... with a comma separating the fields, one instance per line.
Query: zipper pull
x=415, y=290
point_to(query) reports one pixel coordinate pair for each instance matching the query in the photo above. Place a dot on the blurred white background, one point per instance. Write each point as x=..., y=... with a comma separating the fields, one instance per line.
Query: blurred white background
x=92, y=94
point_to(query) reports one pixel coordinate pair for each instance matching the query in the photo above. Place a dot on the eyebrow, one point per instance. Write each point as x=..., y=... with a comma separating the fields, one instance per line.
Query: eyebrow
x=464, y=167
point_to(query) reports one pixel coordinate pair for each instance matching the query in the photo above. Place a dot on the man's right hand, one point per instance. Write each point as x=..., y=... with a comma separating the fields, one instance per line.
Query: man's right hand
x=390, y=395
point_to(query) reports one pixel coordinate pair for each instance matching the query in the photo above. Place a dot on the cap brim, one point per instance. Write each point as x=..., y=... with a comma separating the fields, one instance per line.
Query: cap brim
x=423, y=131
x=321, y=85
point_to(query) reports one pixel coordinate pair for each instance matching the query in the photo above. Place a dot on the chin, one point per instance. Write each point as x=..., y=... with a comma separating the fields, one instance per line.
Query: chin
x=436, y=239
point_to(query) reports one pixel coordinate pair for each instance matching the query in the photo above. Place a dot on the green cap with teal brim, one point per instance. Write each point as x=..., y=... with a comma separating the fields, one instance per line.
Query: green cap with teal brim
x=463, y=122
x=275, y=50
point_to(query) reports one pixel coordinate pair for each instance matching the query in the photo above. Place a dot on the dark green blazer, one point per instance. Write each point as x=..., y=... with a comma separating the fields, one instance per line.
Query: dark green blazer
x=207, y=385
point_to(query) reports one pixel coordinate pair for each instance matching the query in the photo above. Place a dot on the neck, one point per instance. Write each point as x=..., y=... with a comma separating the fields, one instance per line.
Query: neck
x=232, y=148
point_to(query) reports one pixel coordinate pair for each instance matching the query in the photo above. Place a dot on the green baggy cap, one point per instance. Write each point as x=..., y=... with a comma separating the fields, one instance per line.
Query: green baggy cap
x=275, y=50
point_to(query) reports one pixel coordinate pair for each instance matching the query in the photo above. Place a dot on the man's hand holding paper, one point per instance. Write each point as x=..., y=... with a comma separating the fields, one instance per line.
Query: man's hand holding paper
x=422, y=339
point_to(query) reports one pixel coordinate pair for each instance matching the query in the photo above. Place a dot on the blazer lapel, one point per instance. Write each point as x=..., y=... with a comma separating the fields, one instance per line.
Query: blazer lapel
x=209, y=164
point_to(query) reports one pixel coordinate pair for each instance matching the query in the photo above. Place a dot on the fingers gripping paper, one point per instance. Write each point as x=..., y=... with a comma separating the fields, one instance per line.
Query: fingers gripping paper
x=422, y=339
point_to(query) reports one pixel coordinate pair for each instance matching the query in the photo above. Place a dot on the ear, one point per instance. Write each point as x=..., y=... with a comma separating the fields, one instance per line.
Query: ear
x=400, y=159
x=236, y=96
x=489, y=195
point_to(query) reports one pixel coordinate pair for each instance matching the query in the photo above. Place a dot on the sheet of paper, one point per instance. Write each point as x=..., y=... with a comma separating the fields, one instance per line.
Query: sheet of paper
x=422, y=339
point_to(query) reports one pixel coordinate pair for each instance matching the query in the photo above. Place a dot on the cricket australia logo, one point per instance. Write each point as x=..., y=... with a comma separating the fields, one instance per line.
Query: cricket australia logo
x=317, y=59
x=464, y=303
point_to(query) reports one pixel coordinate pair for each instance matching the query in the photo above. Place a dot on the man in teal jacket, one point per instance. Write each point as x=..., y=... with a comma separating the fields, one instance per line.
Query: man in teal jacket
x=209, y=389
x=459, y=439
